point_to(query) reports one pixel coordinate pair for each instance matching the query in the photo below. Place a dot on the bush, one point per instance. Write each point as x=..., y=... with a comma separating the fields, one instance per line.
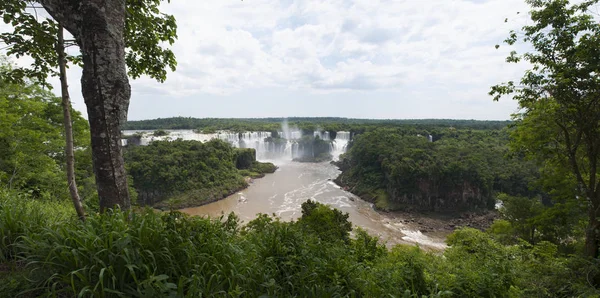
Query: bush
x=403, y=269
x=152, y=254
x=160, y=133
x=244, y=158
x=476, y=265
x=329, y=224
x=21, y=215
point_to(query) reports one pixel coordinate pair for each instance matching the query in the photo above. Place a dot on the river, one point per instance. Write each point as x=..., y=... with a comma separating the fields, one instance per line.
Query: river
x=282, y=193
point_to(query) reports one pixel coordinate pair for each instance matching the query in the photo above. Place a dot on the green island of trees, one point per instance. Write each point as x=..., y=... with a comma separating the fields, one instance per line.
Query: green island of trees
x=313, y=149
x=178, y=174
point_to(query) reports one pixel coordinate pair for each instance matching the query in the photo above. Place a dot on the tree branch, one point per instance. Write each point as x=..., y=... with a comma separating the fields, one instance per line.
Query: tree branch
x=571, y=155
x=65, y=12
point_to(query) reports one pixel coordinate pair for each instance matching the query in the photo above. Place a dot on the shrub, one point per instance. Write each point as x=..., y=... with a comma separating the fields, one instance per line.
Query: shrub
x=329, y=224
x=476, y=266
x=21, y=215
x=152, y=254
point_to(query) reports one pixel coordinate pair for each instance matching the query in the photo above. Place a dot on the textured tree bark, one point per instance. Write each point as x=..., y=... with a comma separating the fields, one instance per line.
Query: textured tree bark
x=592, y=233
x=98, y=27
x=66, y=105
x=106, y=92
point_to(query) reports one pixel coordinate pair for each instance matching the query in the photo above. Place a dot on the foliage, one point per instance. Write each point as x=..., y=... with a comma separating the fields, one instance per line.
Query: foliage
x=208, y=125
x=329, y=224
x=530, y=220
x=171, y=174
x=32, y=141
x=404, y=270
x=150, y=254
x=258, y=169
x=470, y=250
x=147, y=30
x=559, y=125
x=521, y=212
x=21, y=215
x=460, y=169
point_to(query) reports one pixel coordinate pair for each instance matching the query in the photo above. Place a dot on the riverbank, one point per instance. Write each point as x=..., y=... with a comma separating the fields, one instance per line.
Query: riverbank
x=283, y=193
x=443, y=224
x=198, y=197
x=430, y=223
x=204, y=196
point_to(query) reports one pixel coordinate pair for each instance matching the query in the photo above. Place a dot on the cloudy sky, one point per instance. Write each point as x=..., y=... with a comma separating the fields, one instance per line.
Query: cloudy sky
x=346, y=58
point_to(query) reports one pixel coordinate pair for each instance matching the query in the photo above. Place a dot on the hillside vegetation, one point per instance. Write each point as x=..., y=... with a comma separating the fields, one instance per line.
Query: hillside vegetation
x=178, y=174
x=400, y=169
x=46, y=251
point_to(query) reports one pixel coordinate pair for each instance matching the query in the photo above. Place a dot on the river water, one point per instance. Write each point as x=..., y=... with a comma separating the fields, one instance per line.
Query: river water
x=282, y=193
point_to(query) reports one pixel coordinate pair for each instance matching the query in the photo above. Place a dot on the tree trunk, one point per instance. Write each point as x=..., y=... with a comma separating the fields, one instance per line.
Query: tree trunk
x=98, y=27
x=106, y=91
x=592, y=233
x=66, y=105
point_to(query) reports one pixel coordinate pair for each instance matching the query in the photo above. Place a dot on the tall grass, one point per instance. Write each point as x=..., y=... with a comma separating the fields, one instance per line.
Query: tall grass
x=150, y=254
x=20, y=215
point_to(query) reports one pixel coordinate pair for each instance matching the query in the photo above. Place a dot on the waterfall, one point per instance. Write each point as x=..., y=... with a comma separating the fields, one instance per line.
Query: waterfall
x=324, y=135
x=340, y=144
x=255, y=140
x=267, y=148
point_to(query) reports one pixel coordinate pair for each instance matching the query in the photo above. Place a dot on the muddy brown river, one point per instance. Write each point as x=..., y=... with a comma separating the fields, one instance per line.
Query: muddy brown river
x=282, y=193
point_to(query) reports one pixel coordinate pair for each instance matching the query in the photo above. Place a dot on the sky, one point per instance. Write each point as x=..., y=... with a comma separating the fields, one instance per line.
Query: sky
x=400, y=59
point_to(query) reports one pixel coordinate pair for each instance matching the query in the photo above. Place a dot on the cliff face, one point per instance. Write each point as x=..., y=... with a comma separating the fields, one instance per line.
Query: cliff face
x=312, y=149
x=433, y=196
x=453, y=171
x=150, y=197
x=423, y=195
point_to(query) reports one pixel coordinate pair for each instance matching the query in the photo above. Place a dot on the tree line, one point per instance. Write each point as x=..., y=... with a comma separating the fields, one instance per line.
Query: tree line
x=209, y=125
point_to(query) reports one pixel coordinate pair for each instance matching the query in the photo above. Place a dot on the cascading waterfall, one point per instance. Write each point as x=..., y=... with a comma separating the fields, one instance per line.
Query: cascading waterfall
x=340, y=144
x=255, y=140
x=286, y=147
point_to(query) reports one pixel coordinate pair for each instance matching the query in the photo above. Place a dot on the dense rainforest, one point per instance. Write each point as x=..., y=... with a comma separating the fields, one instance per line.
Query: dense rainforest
x=543, y=171
x=209, y=125
x=178, y=174
x=444, y=169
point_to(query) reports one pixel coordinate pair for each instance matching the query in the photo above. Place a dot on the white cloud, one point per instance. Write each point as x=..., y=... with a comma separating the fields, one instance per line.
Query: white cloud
x=411, y=52
x=339, y=45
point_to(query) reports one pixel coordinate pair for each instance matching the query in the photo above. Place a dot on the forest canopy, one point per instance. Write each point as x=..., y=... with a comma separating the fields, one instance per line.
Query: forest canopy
x=308, y=123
